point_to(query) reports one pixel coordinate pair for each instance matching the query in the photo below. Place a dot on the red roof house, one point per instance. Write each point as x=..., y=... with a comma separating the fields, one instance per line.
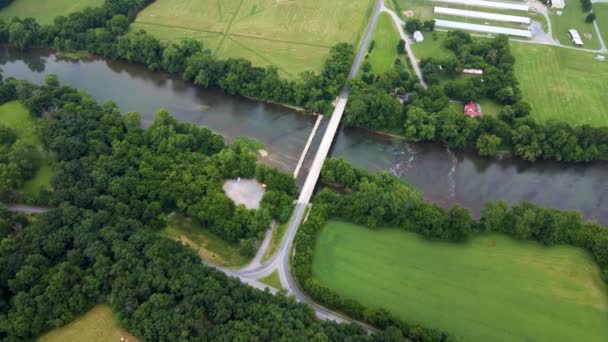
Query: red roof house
x=472, y=109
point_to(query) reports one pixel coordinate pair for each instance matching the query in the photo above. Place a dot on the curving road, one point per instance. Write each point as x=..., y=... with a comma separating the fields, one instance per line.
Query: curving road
x=280, y=261
x=408, y=43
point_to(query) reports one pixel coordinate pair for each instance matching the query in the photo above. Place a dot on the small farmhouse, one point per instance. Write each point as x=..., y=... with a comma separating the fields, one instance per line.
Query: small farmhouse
x=472, y=109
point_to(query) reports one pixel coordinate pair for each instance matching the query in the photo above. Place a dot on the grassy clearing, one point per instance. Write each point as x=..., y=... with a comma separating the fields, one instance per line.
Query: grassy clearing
x=272, y=280
x=386, y=39
x=45, y=11
x=562, y=84
x=432, y=46
x=490, y=289
x=208, y=245
x=601, y=10
x=97, y=325
x=294, y=35
x=13, y=114
x=573, y=17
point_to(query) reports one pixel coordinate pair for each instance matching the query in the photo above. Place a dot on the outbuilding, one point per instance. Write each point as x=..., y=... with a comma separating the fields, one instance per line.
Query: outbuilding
x=576, y=38
x=418, y=37
x=473, y=109
x=559, y=4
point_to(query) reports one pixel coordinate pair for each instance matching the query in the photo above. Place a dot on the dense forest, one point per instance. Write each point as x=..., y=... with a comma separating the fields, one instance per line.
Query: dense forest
x=114, y=187
x=104, y=31
x=376, y=200
x=428, y=116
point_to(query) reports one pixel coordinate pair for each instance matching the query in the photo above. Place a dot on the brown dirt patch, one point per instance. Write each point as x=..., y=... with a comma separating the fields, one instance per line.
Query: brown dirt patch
x=408, y=14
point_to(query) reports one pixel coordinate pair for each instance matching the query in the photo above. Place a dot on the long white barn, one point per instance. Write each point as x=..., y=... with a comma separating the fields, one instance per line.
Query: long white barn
x=482, y=28
x=489, y=4
x=482, y=15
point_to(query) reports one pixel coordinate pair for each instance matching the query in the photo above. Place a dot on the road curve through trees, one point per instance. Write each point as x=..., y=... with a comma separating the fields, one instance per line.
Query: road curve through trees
x=280, y=261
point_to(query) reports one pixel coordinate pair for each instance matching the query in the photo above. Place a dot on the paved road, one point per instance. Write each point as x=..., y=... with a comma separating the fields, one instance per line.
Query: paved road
x=280, y=261
x=27, y=209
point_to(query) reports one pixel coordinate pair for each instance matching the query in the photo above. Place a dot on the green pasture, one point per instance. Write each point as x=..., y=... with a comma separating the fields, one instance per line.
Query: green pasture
x=492, y=288
x=208, y=245
x=573, y=17
x=562, y=84
x=386, y=39
x=601, y=11
x=294, y=35
x=97, y=325
x=45, y=11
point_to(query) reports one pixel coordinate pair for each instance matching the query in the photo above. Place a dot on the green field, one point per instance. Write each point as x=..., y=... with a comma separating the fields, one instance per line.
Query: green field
x=490, y=289
x=601, y=10
x=294, y=35
x=386, y=39
x=45, y=11
x=563, y=84
x=432, y=46
x=97, y=325
x=208, y=245
x=15, y=115
x=573, y=17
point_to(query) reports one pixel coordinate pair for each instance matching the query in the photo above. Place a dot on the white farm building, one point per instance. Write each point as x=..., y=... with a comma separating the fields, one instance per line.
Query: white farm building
x=576, y=38
x=448, y=24
x=482, y=15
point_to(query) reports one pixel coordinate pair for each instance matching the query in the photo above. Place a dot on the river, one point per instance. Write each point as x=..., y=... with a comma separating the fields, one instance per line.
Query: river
x=444, y=176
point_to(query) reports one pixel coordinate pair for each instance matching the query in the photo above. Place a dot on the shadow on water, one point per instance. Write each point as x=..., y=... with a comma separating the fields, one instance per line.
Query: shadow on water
x=444, y=176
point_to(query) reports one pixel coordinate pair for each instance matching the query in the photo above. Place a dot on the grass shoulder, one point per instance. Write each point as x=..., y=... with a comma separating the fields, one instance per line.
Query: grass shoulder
x=208, y=245
x=272, y=280
x=385, y=38
x=97, y=325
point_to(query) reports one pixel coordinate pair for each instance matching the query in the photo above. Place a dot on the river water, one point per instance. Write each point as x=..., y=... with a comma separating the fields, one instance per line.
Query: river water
x=444, y=177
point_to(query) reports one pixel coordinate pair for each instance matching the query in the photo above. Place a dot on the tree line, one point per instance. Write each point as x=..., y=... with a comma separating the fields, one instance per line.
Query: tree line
x=5, y=3
x=19, y=161
x=104, y=31
x=397, y=205
x=115, y=185
x=428, y=116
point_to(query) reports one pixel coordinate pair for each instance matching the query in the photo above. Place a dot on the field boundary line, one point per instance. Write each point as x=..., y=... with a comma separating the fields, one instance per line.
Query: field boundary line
x=219, y=10
x=227, y=30
x=279, y=40
x=177, y=27
x=259, y=55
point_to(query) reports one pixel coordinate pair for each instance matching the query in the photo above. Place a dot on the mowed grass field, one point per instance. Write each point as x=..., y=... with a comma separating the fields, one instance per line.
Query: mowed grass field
x=562, y=84
x=15, y=115
x=97, y=325
x=386, y=39
x=294, y=35
x=490, y=289
x=573, y=17
x=45, y=11
x=601, y=10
